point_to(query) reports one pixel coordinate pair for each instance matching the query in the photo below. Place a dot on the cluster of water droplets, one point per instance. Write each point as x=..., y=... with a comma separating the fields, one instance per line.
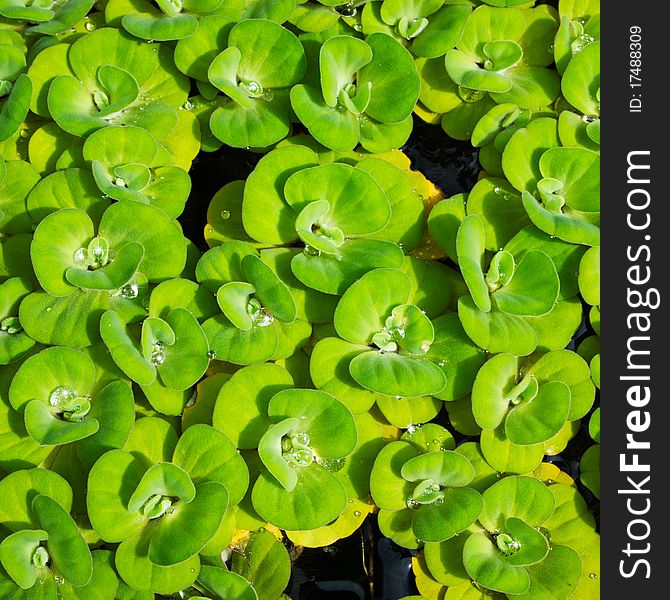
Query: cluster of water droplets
x=296, y=451
x=158, y=354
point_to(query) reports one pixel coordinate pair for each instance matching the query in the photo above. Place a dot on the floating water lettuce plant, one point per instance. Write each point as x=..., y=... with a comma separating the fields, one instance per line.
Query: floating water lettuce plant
x=351, y=105
x=257, y=85
x=423, y=493
x=350, y=344
x=44, y=551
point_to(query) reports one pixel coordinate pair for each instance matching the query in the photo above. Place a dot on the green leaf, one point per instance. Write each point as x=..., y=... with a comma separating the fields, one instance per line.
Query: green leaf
x=181, y=534
x=73, y=320
x=364, y=307
x=446, y=468
x=397, y=375
x=335, y=129
x=16, y=553
x=391, y=74
x=48, y=429
x=534, y=546
x=111, y=483
x=521, y=497
x=389, y=489
x=265, y=563
x=295, y=510
x=556, y=576
x=486, y=565
x=68, y=551
x=124, y=349
x=226, y=583
x=21, y=487
x=112, y=276
x=340, y=58
x=328, y=423
x=496, y=331
x=327, y=274
x=114, y=409
x=263, y=194
x=470, y=245
x=137, y=570
x=438, y=522
x=506, y=457
x=270, y=451
x=533, y=289
x=580, y=83
x=245, y=422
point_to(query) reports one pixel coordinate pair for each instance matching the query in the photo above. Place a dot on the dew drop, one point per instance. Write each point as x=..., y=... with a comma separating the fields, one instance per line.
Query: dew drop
x=497, y=189
x=225, y=215
x=263, y=318
x=357, y=513
x=301, y=438
x=129, y=291
x=61, y=395
x=211, y=355
x=80, y=258
x=59, y=580
x=24, y=133
x=593, y=576
x=89, y=26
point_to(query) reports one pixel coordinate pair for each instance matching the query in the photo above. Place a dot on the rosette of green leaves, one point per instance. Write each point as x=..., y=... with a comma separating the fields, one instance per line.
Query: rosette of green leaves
x=256, y=84
x=258, y=314
x=164, y=497
x=69, y=254
x=170, y=352
x=51, y=16
x=341, y=214
x=352, y=103
x=170, y=20
x=579, y=27
x=377, y=312
x=526, y=533
x=84, y=274
x=128, y=164
x=560, y=185
x=501, y=58
x=532, y=400
x=15, y=86
x=14, y=342
x=63, y=401
x=493, y=314
x=423, y=492
x=429, y=27
x=106, y=77
x=42, y=553
x=301, y=435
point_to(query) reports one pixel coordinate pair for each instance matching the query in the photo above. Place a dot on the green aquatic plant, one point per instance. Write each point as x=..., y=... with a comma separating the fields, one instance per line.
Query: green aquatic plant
x=352, y=343
x=350, y=104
